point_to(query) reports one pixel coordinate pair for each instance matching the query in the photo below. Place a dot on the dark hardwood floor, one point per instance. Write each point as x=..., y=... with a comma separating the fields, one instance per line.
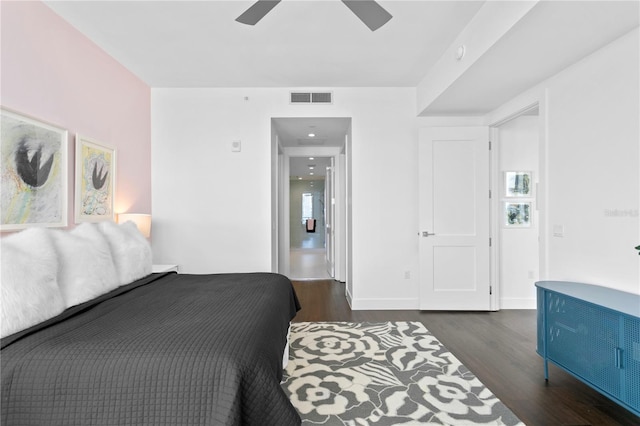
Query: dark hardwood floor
x=498, y=347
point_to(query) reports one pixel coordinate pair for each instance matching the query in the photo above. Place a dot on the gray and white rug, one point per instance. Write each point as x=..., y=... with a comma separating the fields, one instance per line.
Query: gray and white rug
x=383, y=374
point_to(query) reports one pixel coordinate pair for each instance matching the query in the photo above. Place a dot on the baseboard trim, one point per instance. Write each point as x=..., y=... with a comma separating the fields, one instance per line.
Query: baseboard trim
x=384, y=304
x=518, y=304
x=414, y=304
x=349, y=297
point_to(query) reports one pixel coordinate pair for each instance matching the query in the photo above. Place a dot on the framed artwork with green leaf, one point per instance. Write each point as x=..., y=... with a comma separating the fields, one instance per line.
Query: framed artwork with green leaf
x=95, y=180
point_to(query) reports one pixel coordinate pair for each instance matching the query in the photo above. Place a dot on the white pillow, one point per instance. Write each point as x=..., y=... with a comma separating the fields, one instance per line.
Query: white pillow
x=85, y=266
x=130, y=250
x=28, y=269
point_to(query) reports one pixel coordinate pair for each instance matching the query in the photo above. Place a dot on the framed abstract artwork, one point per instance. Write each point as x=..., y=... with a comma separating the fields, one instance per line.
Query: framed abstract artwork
x=518, y=184
x=517, y=215
x=95, y=181
x=33, y=172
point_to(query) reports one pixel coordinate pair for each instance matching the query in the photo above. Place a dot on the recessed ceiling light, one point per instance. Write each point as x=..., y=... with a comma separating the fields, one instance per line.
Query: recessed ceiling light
x=312, y=135
x=311, y=173
x=311, y=158
x=311, y=167
x=299, y=177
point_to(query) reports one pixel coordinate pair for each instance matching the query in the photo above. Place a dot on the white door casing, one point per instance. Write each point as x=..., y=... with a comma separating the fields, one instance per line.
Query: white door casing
x=454, y=218
x=329, y=207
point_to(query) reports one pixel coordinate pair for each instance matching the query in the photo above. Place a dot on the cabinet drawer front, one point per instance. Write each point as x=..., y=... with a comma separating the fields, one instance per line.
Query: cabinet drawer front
x=631, y=361
x=585, y=340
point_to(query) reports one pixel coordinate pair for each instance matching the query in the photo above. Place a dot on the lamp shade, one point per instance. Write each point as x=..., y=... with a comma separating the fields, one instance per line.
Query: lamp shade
x=142, y=221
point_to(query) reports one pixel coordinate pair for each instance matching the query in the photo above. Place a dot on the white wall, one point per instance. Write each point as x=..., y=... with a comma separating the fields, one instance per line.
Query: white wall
x=593, y=151
x=591, y=166
x=519, y=265
x=212, y=207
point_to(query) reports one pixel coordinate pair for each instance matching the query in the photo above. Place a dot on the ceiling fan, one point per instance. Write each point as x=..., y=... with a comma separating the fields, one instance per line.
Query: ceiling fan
x=369, y=11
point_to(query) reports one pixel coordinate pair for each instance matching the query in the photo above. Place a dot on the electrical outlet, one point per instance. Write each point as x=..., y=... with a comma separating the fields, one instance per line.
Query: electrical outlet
x=407, y=275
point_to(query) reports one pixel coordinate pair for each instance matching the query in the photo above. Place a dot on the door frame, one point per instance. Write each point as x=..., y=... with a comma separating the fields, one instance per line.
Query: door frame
x=511, y=111
x=330, y=196
x=479, y=238
x=281, y=242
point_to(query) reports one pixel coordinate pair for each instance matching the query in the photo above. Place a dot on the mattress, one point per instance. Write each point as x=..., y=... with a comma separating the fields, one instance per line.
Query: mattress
x=165, y=350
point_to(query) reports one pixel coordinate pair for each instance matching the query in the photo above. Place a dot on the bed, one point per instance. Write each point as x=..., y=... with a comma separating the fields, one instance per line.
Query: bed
x=164, y=349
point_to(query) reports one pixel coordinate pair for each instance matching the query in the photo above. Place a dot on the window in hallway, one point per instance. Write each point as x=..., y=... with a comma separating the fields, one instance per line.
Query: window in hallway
x=307, y=207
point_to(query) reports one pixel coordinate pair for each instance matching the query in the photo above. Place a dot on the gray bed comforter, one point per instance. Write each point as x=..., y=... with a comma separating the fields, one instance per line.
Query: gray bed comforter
x=169, y=349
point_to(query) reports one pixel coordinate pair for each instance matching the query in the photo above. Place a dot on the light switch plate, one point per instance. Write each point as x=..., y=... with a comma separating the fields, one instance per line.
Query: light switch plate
x=558, y=231
x=236, y=146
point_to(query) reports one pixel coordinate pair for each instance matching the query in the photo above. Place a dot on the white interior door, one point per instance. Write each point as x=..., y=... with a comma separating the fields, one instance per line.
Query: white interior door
x=454, y=218
x=329, y=207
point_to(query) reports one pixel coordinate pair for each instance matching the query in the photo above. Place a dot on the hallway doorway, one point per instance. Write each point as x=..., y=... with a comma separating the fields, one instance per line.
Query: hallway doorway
x=307, y=218
x=310, y=158
x=518, y=174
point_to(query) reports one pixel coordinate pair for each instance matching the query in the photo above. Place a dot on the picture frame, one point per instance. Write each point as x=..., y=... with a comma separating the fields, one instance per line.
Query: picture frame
x=34, y=172
x=517, y=214
x=518, y=184
x=95, y=181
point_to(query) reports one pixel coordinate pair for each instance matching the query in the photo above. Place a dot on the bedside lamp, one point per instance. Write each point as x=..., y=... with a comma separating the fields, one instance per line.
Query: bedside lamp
x=142, y=221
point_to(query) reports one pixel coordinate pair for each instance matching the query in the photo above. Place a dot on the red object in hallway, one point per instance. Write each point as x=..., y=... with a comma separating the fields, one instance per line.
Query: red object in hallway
x=311, y=225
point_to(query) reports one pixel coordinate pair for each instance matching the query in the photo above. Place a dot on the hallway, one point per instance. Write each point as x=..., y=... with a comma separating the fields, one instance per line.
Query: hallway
x=307, y=257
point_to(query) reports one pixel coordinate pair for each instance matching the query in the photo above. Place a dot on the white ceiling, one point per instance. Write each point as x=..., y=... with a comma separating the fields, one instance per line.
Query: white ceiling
x=302, y=167
x=328, y=131
x=293, y=132
x=553, y=36
x=312, y=43
x=321, y=43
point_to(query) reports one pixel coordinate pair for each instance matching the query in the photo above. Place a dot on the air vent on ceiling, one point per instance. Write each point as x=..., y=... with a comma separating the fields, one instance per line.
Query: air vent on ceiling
x=321, y=98
x=311, y=97
x=300, y=98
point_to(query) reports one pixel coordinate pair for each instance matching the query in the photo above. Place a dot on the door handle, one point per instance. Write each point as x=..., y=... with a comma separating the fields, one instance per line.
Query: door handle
x=427, y=233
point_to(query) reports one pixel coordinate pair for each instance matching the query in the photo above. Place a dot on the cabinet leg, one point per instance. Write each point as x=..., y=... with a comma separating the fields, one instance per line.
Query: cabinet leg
x=546, y=370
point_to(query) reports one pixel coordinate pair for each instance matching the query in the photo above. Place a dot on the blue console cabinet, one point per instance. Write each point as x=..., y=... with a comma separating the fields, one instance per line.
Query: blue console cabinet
x=593, y=333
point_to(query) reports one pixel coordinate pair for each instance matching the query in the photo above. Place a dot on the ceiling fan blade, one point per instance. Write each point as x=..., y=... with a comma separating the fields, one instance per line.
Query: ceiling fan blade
x=257, y=11
x=371, y=13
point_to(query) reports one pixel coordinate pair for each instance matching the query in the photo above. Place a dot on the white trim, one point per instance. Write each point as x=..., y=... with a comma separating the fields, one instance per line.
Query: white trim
x=517, y=106
x=384, y=304
x=494, y=215
x=349, y=297
x=518, y=304
x=537, y=96
x=284, y=233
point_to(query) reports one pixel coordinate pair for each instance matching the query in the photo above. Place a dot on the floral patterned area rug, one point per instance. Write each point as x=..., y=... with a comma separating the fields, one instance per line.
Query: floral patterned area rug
x=392, y=373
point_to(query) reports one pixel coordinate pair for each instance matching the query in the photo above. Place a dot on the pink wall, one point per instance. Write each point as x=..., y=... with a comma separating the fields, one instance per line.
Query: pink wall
x=52, y=72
